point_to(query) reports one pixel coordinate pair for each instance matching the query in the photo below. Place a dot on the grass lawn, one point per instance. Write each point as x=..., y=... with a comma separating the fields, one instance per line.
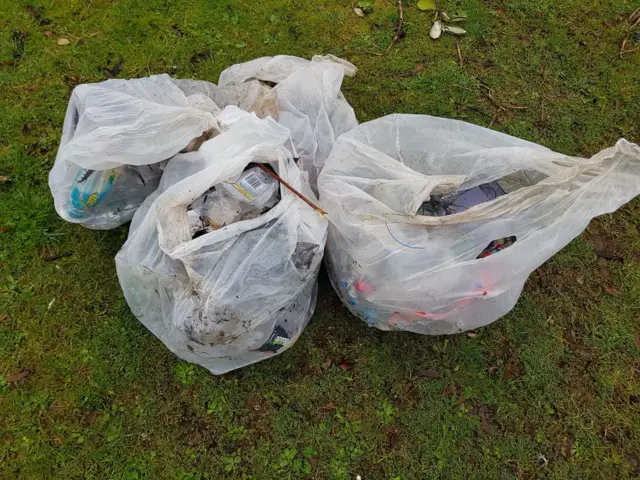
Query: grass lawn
x=551, y=390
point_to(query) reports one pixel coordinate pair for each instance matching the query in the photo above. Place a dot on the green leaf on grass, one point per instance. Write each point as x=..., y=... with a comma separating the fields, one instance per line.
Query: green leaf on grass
x=453, y=30
x=427, y=4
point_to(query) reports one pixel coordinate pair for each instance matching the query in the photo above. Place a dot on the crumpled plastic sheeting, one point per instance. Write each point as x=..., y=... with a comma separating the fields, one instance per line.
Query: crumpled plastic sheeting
x=306, y=99
x=239, y=294
x=398, y=270
x=125, y=126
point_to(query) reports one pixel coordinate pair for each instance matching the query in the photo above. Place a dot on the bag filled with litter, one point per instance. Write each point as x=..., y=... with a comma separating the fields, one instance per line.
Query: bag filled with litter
x=302, y=95
x=222, y=260
x=116, y=138
x=436, y=224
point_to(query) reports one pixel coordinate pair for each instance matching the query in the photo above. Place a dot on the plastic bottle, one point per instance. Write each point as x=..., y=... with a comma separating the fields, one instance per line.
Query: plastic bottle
x=89, y=189
x=251, y=195
x=112, y=193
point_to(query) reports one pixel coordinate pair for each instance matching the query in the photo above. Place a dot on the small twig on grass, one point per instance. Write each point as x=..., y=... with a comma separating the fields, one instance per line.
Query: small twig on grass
x=470, y=107
x=53, y=258
x=544, y=115
x=459, y=53
x=495, y=116
x=622, y=45
x=298, y=194
x=623, y=49
x=503, y=106
x=398, y=32
x=500, y=107
x=634, y=18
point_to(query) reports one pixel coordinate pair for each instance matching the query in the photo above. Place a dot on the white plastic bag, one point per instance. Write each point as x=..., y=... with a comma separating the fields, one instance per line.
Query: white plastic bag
x=398, y=270
x=115, y=138
x=238, y=294
x=306, y=99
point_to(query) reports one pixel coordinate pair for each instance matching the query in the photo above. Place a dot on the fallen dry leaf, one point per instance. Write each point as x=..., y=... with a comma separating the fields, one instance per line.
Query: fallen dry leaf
x=428, y=374
x=48, y=33
x=612, y=291
x=512, y=370
x=89, y=417
x=461, y=401
x=328, y=407
x=608, y=255
x=472, y=335
x=391, y=432
x=314, y=462
x=328, y=363
x=346, y=365
x=63, y=41
x=449, y=390
x=389, y=429
x=4, y=178
x=17, y=376
x=358, y=11
x=417, y=69
x=567, y=446
x=3, y=317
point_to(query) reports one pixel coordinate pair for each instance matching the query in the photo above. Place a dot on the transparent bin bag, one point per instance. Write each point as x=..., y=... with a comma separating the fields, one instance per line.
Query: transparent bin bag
x=239, y=294
x=116, y=137
x=398, y=270
x=306, y=99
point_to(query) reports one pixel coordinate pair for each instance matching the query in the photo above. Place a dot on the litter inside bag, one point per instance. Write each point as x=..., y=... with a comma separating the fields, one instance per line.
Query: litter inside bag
x=249, y=196
x=116, y=192
x=442, y=205
x=436, y=224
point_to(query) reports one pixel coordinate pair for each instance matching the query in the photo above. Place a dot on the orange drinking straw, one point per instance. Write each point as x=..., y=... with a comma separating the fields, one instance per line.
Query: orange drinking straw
x=298, y=194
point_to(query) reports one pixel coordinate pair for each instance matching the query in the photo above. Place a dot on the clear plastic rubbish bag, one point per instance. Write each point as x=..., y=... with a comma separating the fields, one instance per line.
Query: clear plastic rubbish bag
x=116, y=138
x=436, y=224
x=238, y=293
x=305, y=98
